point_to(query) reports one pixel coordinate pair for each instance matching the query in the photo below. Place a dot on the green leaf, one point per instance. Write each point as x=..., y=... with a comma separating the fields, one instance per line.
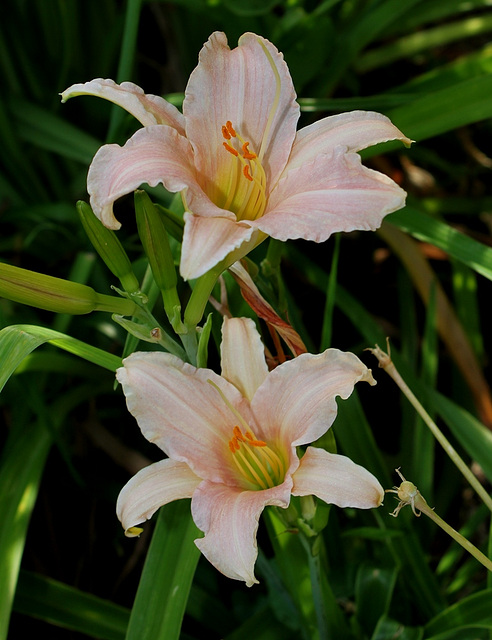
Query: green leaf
x=441, y=111
x=429, y=229
x=65, y=606
x=373, y=591
x=473, y=436
x=250, y=7
x=423, y=40
x=18, y=341
x=34, y=426
x=48, y=131
x=472, y=611
x=262, y=625
x=21, y=471
x=388, y=629
x=167, y=576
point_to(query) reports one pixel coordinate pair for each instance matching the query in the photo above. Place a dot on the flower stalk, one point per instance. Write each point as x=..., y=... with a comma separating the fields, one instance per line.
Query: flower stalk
x=408, y=494
x=386, y=363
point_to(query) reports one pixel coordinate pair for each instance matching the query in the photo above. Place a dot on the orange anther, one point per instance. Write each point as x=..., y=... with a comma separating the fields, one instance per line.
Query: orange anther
x=230, y=149
x=226, y=133
x=230, y=128
x=246, y=172
x=237, y=433
x=248, y=155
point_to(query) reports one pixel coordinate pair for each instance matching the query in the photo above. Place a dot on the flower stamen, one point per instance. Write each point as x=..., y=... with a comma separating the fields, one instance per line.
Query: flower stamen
x=231, y=149
x=246, y=202
x=260, y=466
x=246, y=172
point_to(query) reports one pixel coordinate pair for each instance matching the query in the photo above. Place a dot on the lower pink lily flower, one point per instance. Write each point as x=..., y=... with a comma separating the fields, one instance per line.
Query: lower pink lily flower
x=234, y=154
x=231, y=441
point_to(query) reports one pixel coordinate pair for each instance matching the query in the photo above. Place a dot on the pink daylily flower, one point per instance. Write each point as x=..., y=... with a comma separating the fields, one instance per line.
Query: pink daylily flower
x=234, y=154
x=231, y=440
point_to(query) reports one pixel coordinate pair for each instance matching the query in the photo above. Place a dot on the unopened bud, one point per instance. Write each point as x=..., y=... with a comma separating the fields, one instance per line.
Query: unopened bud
x=45, y=292
x=55, y=294
x=155, y=242
x=108, y=247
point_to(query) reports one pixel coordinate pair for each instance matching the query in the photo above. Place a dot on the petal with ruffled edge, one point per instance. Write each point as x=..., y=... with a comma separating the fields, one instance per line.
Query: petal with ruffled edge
x=153, y=155
x=239, y=85
x=333, y=193
x=182, y=413
x=355, y=130
x=153, y=487
x=146, y=108
x=229, y=518
x=296, y=403
x=336, y=479
x=243, y=355
x=207, y=241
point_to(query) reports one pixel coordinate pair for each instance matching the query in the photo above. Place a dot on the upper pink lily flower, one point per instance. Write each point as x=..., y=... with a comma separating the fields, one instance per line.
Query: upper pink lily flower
x=234, y=153
x=231, y=440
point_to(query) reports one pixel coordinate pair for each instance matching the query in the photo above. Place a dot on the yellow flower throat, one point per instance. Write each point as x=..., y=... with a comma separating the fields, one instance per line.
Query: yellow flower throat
x=260, y=465
x=246, y=181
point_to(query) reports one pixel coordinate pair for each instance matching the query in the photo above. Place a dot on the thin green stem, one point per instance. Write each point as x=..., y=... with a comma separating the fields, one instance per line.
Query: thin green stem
x=466, y=544
x=121, y=306
x=317, y=591
x=386, y=363
x=409, y=495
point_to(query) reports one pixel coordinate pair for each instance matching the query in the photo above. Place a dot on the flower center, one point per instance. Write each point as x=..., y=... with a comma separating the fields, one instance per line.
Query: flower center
x=247, y=180
x=258, y=463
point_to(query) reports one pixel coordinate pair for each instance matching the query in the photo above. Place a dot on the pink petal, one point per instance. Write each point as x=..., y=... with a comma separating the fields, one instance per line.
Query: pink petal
x=296, y=403
x=229, y=518
x=146, y=108
x=153, y=155
x=243, y=355
x=336, y=480
x=207, y=241
x=153, y=487
x=355, y=130
x=239, y=86
x=182, y=413
x=333, y=193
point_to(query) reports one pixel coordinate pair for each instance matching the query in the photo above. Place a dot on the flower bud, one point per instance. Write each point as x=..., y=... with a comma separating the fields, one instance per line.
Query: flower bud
x=57, y=295
x=46, y=292
x=108, y=247
x=153, y=236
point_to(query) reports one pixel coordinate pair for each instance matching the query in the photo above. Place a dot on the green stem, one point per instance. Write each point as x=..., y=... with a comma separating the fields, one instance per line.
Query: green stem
x=466, y=544
x=330, y=621
x=386, y=363
x=120, y=306
x=317, y=591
